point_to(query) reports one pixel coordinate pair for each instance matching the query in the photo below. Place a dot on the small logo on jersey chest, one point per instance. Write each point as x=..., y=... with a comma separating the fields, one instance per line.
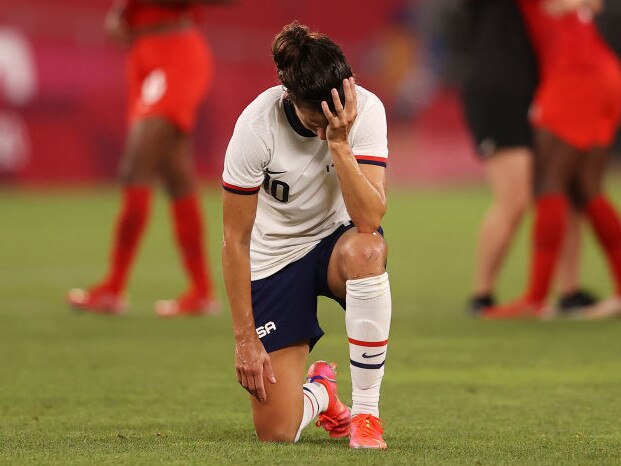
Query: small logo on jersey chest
x=270, y=172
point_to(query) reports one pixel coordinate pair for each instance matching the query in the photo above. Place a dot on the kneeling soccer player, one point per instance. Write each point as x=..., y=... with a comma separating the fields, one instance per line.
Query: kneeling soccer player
x=304, y=193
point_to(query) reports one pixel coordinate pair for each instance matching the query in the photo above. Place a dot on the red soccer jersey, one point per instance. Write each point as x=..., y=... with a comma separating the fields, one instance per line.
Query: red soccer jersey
x=579, y=95
x=139, y=14
x=568, y=41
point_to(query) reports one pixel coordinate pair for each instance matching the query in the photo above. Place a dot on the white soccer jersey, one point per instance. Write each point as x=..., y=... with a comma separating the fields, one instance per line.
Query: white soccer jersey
x=300, y=200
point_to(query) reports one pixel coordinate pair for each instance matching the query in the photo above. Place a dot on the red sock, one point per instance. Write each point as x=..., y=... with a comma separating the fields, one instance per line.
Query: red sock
x=130, y=225
x=607, y=226
x=189, y=232
x=548, y=232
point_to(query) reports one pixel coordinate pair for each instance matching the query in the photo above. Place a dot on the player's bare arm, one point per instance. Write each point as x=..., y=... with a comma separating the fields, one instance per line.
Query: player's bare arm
x=115, y=25
x=363, y=188
x=562, y=7
x=252, y=362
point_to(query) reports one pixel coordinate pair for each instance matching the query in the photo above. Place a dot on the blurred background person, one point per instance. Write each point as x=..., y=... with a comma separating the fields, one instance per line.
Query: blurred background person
x=169, y=69
x=499, y=82
x=576, y=112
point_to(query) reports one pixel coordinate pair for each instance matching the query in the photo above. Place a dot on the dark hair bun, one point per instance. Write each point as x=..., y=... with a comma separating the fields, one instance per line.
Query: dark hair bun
x=309, y=64
x=289, y=44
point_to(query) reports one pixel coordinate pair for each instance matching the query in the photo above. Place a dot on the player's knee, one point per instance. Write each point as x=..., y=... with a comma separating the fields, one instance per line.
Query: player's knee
x=365, y=253
x=276, y=427
x=278, y=434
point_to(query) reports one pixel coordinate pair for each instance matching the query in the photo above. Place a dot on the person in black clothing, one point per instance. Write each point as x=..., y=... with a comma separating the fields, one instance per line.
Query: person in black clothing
x=500, y=78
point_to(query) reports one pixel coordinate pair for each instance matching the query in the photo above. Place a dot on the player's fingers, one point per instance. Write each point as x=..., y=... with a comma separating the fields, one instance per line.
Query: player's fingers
x=260, y=387
x=347, y=90
x=552, y=8
x=252, y=386
x=560, y=7
x=269, y=372
x=243, y=380
x=326, y=111
x=248, y=383
x=351, y=103
x=338, y=106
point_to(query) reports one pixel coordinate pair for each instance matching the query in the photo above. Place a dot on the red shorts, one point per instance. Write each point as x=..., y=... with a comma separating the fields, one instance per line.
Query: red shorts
x=583, y=108
x=168, y=76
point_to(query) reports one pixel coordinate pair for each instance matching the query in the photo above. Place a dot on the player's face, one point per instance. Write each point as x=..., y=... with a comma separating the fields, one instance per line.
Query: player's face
x=312, y=120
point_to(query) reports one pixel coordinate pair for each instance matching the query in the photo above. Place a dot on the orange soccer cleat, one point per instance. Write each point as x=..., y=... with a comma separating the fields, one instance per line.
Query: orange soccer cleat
x=337, y=417
x=189, y=304
x=98, y=300
x=366, y=432
x=522, y=308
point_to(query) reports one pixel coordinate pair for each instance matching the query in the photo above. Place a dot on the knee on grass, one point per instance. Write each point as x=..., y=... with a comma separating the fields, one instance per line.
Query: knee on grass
x=277, y=434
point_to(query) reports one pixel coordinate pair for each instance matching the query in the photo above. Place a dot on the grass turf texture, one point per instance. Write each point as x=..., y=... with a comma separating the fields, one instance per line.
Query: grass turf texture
x=140, y=389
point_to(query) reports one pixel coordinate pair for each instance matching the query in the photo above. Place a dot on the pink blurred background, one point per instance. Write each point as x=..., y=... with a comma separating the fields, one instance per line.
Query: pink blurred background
x=62, y=84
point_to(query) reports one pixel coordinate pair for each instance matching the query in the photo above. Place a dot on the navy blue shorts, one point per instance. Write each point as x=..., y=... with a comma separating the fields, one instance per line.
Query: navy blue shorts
x=285, y=304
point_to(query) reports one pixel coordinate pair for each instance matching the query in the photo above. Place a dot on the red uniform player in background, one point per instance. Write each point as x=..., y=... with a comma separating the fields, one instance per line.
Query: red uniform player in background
x=576, y=112
x=169, y=70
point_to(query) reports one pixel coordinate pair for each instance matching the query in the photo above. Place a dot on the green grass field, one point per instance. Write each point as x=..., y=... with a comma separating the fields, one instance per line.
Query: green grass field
x=86, y=389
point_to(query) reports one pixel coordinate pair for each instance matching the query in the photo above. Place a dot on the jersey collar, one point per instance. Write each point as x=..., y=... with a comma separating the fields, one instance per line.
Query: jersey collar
x=294, y=121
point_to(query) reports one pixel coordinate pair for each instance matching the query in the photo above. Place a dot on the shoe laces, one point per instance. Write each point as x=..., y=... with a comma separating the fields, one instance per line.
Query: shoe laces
x=326, y=422
x=331, y=422
x=367, y=426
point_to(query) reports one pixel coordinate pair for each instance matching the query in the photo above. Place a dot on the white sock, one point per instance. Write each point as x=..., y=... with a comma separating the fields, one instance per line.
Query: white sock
x=367, y=320
x=315, y=401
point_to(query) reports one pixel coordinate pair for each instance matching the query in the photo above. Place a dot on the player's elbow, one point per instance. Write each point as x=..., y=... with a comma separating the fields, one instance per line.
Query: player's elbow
x=366, y=227
x=370, y=221
x=235, y=240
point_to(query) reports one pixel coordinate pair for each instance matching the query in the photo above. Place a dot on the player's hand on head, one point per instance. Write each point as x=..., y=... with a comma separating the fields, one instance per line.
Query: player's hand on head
x=340, y=122
x=253, y=364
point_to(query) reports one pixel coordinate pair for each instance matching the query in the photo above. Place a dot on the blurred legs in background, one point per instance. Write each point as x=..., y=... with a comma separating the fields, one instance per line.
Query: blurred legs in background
x=509, y=174
x=560, y=167
x=169, y=69
x=500, y=81
x=156, y=149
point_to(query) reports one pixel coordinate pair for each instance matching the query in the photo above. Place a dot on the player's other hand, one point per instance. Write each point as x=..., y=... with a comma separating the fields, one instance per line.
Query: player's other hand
x=340, y=124
x=562, y=7
x=116, y=27
x=253, y=365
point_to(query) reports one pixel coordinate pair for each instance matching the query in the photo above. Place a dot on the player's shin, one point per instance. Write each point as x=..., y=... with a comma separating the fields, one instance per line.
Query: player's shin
x=367, y=320
x=130, y=226
x=315, y=401
x=189, y=232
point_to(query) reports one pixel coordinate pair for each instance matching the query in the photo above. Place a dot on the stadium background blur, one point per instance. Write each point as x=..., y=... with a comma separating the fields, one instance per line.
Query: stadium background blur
x=138, y=389
x=62, y=87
